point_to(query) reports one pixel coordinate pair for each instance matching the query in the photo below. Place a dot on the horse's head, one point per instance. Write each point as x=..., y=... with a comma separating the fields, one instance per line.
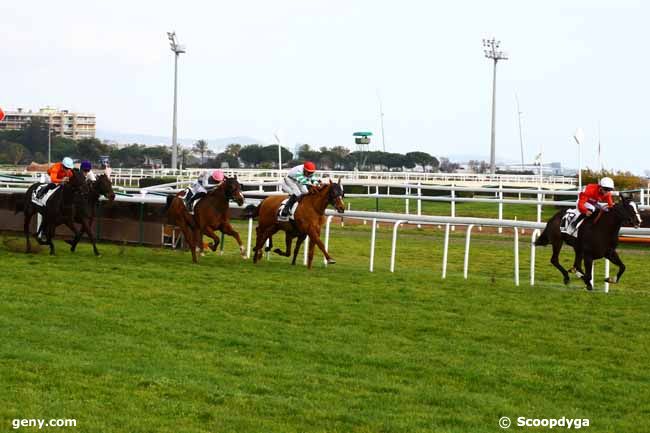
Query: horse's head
x=104, y=186
x=335, y=196
x=232, y=189
x=629, y=212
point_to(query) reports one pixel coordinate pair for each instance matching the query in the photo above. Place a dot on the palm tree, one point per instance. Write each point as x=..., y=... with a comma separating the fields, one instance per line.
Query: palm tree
x=201, y=146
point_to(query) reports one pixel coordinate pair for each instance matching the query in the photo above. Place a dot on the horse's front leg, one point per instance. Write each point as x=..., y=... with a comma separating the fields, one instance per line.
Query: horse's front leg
x=577, y=263
x=26, y=223
x=288, y=239
x=86, y=226
x=227, y=228
x=314, y=237
x=215, y=238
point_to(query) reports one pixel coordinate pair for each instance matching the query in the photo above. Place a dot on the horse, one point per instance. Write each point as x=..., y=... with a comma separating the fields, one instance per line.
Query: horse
x=597, y=238
x=85, y=215
x=210, y=213
x=59, y=209
x=308, y=220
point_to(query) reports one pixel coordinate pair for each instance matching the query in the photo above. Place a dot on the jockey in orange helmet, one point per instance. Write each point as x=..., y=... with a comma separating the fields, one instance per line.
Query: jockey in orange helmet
x=296, y=182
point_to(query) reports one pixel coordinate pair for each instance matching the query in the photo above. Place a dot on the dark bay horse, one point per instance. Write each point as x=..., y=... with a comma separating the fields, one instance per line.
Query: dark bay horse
x=309, y=219
x=597, y=238
x=85, y=215
x=211, y=214
x=60, y=208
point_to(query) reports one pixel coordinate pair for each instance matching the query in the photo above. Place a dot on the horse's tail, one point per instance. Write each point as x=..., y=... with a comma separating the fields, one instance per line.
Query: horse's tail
x=543, y=239
x=19, y=204
x=252, y=211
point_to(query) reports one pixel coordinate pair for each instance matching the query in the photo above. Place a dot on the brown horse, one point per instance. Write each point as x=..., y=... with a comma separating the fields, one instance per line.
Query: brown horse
x=308, y=221
x=210, y=213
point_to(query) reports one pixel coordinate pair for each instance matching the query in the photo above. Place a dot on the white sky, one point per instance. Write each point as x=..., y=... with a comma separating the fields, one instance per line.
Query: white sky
x=312, y=68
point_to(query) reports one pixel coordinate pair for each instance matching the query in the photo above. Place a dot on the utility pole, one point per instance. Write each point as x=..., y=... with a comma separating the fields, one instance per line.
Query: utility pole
x=521, y=137
x=491, y=50
x=381, y=119
x=177, y=49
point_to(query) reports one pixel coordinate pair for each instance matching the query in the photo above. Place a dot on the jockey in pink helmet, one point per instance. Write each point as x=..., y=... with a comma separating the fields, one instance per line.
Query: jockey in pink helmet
x=200, y=188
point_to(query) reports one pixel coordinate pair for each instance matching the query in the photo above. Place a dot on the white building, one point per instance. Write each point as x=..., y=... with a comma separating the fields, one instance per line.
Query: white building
x=61, y=122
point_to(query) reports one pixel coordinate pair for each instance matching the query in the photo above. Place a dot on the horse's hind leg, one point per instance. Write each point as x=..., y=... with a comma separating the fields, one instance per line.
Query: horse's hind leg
x=288, y=239
x=555, y=260
x=588, y=269
x=577, y=263
x=613, y=257
x=210, y=232
x=299, y=242
x=27, y=221
x=77, y=236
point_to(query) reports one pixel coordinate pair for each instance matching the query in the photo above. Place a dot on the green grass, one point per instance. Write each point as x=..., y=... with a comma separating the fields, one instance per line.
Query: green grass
x=467, y=209
x=140, y=340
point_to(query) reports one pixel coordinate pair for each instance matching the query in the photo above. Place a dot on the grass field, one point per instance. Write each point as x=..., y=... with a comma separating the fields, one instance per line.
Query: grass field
x=140, y=340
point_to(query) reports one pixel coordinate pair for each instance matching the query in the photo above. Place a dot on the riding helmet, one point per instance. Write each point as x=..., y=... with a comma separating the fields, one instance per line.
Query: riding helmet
x=217, y=175
x=67, y=162
x=606, y=183
x=310, y=166
x=86, y=166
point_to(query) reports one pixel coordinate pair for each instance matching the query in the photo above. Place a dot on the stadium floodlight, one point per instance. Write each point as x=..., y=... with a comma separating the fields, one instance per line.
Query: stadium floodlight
x=177, y=49
x=492, y=51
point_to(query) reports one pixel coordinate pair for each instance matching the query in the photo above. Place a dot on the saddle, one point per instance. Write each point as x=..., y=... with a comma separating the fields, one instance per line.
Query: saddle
x=566, y=223
x=42, y=202
x=194, y=201
x=292, y=211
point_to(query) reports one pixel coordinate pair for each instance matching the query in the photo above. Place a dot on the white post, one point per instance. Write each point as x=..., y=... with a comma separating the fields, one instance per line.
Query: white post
x=408, y=192
x=539, y=207
x=516, y=256
x=606, y=276
x=306, y=246
x=453, y=205
x=372, y=244
x=419, y=203
x=250, y=238
x=500, y=205
x=533, y=238
x=467, y=240
x=327, y=236
x=445, y=249
x=392, y=250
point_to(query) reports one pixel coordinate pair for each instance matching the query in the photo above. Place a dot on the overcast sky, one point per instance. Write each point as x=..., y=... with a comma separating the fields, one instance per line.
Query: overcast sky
x=313, y=69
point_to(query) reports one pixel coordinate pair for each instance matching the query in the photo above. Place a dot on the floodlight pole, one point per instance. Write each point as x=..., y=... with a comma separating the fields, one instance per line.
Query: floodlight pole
x=491, y=50
x=177, y=49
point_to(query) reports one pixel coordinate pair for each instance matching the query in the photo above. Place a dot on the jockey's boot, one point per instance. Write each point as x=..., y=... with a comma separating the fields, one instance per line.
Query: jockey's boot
x=288, y=205
x=196, y=197
x=44, y=190
x=188, y=199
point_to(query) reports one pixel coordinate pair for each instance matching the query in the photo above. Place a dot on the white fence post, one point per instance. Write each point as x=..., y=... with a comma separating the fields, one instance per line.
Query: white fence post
x=445, y=250
x=516, y=256
x=467, y=240
x=453, y=205
x=500, y=205
x=606, y=276
x=407, y=191
x=327, y=236
x=372, y=244
x=419, y=202
x=392, y=250
x=250, y=238
x=533, y=238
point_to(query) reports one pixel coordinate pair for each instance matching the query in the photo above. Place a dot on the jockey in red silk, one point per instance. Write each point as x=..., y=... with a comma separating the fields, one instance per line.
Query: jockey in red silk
x=592, y=195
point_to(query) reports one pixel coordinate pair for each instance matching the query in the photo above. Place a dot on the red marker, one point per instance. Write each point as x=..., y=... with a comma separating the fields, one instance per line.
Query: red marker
x=2, y=114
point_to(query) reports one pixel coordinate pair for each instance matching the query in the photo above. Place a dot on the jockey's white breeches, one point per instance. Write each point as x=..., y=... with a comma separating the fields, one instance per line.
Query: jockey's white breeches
x=197, y=188
x=290, y=186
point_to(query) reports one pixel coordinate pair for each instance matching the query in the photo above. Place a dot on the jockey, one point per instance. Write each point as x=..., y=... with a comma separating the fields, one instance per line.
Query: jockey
x=591, y=197
x=59, y=173
x=86, y=169
x=296, y=182
x=199, y=188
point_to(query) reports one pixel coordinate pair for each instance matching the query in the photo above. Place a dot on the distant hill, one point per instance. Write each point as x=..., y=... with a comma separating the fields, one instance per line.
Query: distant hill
x=215, y=144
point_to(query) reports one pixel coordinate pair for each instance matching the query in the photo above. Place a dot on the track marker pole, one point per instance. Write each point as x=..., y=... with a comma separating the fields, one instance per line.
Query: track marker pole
x=533, y=238
x=392, y=251
x=516, y=256
x=445, y=250
x=250, y=237
x=372, y=244
x=468, y=236
x=327, y=236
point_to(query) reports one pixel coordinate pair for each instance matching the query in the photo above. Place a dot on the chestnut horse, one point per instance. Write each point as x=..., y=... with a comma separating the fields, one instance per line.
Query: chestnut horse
x=211, y=213
x=308, y=220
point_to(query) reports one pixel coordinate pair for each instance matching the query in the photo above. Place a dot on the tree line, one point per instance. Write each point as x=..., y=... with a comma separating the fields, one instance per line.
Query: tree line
x=30, y=144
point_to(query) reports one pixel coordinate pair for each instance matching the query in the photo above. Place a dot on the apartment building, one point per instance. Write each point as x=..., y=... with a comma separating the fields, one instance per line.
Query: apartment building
x=62, y=123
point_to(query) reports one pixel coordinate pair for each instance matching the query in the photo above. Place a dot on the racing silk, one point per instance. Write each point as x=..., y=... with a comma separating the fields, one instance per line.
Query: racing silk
x=206, y=180
x=591, y=194
x=57, y=172
x=298, y=174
